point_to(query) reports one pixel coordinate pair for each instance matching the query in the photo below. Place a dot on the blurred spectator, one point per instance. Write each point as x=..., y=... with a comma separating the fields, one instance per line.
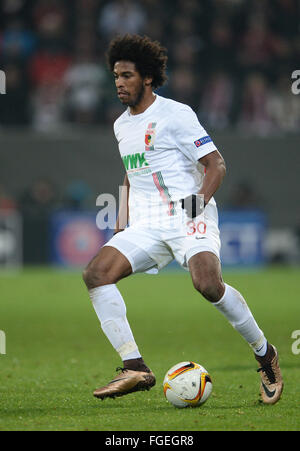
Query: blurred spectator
x=190, y=8
x=220, y=52
x=51, y=21
x=47, y=107
x=77, y=195
x=120, y=17
x=155, y=28
x=36, y=204
x=183, y=86
x=244, y=196
x=284, y=17
x=216, y=104
x=254, y=116
x=58, y=47
x=14, y=106
x=184, y=52
x=186, y=48
x=85, y=83
x=17, y=43
x=6, y=201
x=39, y=198
x=47, y=70
x=49, y=67
x=283, y=106
x=9, y=8
x=260, y=48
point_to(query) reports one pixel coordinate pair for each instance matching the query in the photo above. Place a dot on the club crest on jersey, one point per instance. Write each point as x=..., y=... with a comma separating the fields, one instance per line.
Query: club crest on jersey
x=150, y=136
x=205, y=139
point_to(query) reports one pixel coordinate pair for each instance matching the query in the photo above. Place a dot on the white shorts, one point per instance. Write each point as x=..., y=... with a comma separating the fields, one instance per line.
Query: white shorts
x=154, y=248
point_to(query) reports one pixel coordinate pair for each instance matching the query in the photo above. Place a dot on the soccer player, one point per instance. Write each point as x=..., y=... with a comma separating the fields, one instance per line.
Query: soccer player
x=173, y=170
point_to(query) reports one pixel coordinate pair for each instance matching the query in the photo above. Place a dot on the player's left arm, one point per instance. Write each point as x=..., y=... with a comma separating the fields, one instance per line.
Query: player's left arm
x=186, y=128
x=215, y=170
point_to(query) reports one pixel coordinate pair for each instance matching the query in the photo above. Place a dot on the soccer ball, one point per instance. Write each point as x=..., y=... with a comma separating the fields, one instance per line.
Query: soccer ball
x=187, y=384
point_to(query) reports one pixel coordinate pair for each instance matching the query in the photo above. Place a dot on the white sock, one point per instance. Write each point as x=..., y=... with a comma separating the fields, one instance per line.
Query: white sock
x=235, y=309
x=111, y=311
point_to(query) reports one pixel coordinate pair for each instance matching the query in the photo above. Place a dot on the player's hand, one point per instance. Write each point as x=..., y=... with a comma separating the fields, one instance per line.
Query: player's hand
x=193, y=205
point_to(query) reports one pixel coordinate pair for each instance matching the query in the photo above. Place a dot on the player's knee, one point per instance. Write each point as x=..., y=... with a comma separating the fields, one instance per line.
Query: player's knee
x=211, y=289
x=96, y=274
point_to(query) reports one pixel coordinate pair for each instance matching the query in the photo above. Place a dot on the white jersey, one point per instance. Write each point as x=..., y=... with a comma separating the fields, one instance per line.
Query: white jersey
x=160, y=149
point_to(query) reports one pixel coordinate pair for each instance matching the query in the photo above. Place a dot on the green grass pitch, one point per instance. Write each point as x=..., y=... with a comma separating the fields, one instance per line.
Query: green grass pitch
x=56, y=353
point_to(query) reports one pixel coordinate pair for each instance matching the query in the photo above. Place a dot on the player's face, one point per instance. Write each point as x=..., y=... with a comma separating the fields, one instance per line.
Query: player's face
x=130, y=85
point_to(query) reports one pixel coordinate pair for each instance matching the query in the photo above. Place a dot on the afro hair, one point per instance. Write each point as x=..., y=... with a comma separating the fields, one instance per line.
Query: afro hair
x=149, y=57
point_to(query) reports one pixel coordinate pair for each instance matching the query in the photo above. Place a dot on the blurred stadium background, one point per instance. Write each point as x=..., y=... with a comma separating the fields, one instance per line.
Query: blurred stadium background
x=230, y=60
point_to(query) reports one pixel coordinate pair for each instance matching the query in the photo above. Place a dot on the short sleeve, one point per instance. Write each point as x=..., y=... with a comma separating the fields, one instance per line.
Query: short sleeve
x=191, y=138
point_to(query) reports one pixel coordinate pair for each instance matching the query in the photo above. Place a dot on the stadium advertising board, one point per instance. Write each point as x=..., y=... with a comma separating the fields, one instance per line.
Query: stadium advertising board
x=74, y=238
x=243, y=235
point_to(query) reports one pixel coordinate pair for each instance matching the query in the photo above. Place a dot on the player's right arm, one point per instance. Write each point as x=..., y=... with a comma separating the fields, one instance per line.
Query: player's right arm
x=123, y=215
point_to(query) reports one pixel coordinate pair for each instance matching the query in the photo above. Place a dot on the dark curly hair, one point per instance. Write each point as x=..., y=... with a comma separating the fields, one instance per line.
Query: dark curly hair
x=149, y=57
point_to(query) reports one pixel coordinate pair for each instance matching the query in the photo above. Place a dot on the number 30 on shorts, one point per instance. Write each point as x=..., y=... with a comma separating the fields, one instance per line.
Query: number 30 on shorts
x=200, y=227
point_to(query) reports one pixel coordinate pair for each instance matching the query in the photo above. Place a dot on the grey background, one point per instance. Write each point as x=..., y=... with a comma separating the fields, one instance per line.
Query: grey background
x=270, y=165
